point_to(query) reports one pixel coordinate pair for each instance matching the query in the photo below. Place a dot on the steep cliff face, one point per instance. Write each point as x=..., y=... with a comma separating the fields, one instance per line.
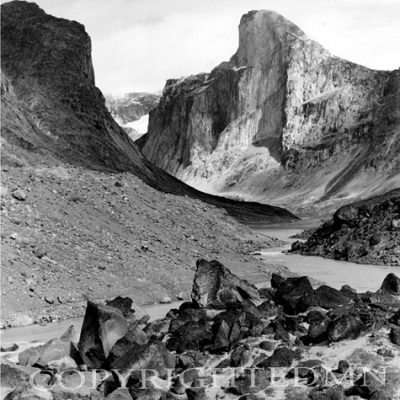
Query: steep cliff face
x=283, y=119
x=53, y=114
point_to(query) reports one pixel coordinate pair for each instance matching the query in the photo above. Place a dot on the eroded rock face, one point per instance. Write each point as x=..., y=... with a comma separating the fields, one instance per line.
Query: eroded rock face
x=281, y=107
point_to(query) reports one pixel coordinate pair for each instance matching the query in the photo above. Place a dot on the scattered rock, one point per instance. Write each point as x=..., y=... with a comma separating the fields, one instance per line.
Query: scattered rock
x=166, y=300
x=19, y=194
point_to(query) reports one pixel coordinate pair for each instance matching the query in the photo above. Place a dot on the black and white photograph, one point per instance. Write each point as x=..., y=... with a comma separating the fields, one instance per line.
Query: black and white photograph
x=200, y=200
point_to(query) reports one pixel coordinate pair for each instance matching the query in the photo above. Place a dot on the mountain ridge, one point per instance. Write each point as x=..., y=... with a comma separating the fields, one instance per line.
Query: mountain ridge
x=274, y=122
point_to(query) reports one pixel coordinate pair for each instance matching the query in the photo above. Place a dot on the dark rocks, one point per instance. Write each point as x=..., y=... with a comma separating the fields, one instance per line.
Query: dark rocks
x=290, y=291
x=346, y=326
x=318, y=326
x=193, y=335
x=395, y=335
x=359, y=232
x=390, y=285
x=328, y=297
x=102, y=327
x=215, y=285
x=282, y=357
x=134, y=337
x=343, y=366
x=149, y=356
x=196, y=393
x=267, y=345
x=303, y=368
x=124, y=304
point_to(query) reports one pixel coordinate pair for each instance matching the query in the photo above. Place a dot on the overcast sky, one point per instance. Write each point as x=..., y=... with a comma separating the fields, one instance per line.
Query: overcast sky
x=138, y=44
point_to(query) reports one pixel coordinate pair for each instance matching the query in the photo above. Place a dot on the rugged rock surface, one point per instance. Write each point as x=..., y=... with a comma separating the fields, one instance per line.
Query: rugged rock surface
x=237, y=340
x=283, y=120
x=366, y=232
x=131, y=111
x=75, y=201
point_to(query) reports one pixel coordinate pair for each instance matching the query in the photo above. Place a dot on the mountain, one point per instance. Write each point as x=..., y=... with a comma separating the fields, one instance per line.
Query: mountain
x=84, y=214
x=366, y=232
x=131, y=111
x=282, y=121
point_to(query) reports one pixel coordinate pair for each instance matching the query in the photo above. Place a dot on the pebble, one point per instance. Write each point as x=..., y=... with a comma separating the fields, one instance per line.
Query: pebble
x=19, y=194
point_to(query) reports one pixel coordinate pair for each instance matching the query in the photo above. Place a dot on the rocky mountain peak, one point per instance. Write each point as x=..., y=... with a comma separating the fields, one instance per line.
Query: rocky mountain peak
x=261, y=33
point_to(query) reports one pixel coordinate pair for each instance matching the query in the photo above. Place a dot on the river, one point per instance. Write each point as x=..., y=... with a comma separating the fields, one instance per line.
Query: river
x=362, y=277
x=334, y=273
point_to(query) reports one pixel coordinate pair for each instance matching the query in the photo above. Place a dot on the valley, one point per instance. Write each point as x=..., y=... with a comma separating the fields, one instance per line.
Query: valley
x=246, y=247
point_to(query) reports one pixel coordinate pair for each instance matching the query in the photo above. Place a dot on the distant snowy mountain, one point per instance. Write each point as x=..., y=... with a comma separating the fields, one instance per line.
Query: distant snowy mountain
x=131, y=111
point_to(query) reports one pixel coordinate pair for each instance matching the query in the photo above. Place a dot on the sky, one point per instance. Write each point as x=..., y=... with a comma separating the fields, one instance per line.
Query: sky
x=138, y=44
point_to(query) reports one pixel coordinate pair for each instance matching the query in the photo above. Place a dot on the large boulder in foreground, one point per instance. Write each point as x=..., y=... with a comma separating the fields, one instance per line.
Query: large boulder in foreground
x=215, y=285
x=102, y=327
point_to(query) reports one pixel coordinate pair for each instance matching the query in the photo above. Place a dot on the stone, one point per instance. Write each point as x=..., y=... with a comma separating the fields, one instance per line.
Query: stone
x=148, y=356
x=281, y=357
x=291, y=291
x=346, y=326
x=318, y=326
x=40, y=252
x=343, y=366
x=19, y=194
x=240, y=356
x=124, y=304
x=102, y=327
x=13, y=375
x=395, y=335
x=212, y=280
x=9, y=347
x=267, y=345
x=196, y=393
x=59, y=352
x=193, y=335
x=134, y=337
x=166, y=300
x=390, y=285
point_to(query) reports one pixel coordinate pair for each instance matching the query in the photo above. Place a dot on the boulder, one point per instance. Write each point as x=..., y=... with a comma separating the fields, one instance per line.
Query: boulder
x=281, y=357
x=240, y=356
x=303, y=368
x=345, y=326
x=148, y=356
x=328, y=297
x=267, y=345
x=134, y=337
x=52, y=352
x=19, y=194
x=318, y=326
x=192, y=335
x=13, y=375
x=390, y=285
x=215, y=285
x=102, y=327
x=289, y=293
